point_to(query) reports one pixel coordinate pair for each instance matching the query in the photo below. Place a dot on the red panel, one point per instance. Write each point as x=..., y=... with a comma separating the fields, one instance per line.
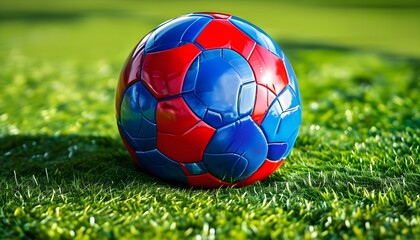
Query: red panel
x=263, y=172
x=268, y=69
x=181, y=135
x=220, y=33
x=264, y=99
x=131, y=69
x=164, y=71
x=134, y=71
x=206, y=180
x=130, y=150
x=129, y=73
x=218, y=15
x=173, y=116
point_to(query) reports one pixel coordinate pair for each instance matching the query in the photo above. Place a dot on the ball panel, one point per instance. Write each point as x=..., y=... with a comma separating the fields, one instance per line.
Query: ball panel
x=291, y=142
x=188, y=147
x=242, y=138
x=173, y=116
x=130, y=73
x=264, y=98
x=161, y=166
x=144, y=143
x=176, y=32
x=272, y=121
x=290, y=122
x=197, y=106
x=164, y=72
x=281, y=124
x=195, y=28
x=268, y=69
x=246, y=99
x=222, y=85
x=232, y=38
x=181, y=135
x=132, y=69
x=139, y=132
x=276, y=151
x=258, y=35
x=218, y=85
x=239, y=64
x=229, y=167
x=288, y=99
x=266, y=169
x=213, y=118
x=191, y=76
x=134, y=108
x=128, y=144
x=278, y=125
x=147, y=102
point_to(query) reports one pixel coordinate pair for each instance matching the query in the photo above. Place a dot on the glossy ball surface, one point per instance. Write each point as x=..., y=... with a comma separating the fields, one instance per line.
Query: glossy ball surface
x=208, y=100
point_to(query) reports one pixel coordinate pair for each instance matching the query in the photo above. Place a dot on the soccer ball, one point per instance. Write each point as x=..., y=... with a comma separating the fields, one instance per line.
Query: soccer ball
x=208, y=100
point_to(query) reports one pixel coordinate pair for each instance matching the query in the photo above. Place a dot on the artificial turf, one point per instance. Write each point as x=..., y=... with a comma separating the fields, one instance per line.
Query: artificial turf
x=64, y=172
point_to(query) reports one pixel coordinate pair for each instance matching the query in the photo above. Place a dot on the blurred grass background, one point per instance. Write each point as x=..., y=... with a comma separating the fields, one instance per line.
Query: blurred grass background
x=353, y=173
x=87, y=30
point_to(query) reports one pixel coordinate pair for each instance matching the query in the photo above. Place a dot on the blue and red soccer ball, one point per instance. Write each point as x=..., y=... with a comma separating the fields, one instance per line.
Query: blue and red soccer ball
x=208, y=100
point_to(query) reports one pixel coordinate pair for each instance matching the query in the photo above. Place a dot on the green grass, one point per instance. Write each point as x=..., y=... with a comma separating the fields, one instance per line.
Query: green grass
x=354, y=171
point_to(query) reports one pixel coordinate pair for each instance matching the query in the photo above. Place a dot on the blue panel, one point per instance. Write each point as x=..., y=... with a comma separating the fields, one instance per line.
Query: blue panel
x=127, y=137
x=139, y=132
x=258, y=35
x=147, y=129
x=191, y=76
x=276, y=151
x=292, y=78
x=195, y=105
x=240, y=65
x=144, y=144
x=195, y=168
x=243, y=138
x=139, y=144
x=291, y=142
x=271, y=121
x=288, y=99
x=229, y=167
x=161, y=166
x=195, y=28
x=218, y=86
x=147, y=103
x=170, y=34
x=247, y=95
x=280, y=128
x=131, y=116
x=213, y=119
x=289, y=124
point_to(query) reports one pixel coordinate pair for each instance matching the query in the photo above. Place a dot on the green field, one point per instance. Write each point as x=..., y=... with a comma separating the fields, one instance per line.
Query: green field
x=354, y=171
